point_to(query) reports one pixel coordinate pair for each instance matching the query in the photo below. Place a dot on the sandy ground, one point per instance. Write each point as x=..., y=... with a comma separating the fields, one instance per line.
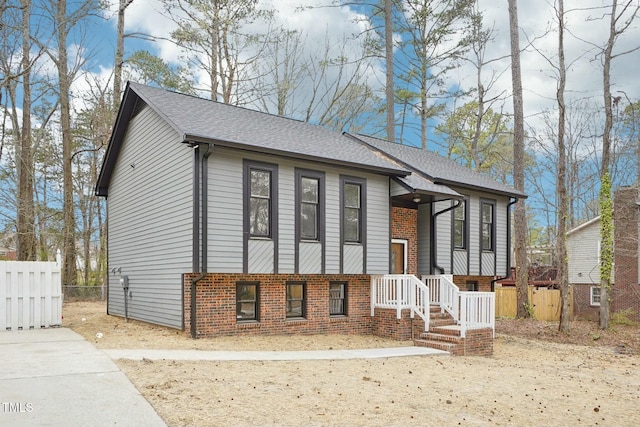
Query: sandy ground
x=527, y=382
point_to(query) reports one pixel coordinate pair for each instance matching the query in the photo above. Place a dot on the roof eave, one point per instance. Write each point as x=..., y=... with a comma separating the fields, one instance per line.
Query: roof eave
x=514, y=194
x=188, y=138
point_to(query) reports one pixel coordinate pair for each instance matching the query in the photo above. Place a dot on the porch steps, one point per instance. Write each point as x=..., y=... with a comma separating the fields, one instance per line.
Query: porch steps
x=443, y=334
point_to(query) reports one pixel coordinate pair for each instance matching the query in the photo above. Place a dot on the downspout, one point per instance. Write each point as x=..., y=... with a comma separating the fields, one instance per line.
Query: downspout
x=200, y=188
x=434, y=240
x=508, y=272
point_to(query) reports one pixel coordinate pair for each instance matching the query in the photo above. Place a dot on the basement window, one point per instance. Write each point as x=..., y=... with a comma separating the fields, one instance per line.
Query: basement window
x=247, y=301
x=594, y=295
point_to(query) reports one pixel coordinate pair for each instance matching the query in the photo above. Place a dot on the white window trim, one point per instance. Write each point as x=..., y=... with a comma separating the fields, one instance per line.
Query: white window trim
x=591, y=296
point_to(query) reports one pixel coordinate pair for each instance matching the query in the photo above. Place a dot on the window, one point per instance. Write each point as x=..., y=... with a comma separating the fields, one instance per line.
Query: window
x=352, y=219
x=247, y=307
x=472, y=285
x=460, y=226
x=260, y=203
x=487, y=226
x=594, y=295
x=295, y=300
x=337, y=299
x=309, y=194
x=260, y=199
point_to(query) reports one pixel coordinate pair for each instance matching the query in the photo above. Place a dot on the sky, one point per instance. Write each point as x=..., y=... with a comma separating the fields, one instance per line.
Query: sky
x=585, y=20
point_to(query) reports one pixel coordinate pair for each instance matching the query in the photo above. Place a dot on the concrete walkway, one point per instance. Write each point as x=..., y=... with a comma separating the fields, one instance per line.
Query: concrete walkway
x=375, y=353
x=53, y=377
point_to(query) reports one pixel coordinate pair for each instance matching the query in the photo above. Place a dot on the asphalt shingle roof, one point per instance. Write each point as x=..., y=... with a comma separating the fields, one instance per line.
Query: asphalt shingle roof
x=204, y=120
x=439, y=169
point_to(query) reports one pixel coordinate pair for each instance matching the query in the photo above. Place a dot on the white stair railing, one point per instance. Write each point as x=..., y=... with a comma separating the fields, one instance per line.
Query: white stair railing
x=470, y=310
x=400, y=291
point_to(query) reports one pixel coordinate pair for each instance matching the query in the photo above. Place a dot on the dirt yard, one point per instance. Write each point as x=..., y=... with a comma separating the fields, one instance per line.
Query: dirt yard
x=537, y=376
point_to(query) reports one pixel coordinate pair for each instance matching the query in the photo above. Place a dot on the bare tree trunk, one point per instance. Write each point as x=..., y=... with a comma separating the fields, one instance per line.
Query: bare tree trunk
x=69, y=271
x=389, y=88
x=119, y=59
x=561, y=186
x=520, y=217
x=26, y=239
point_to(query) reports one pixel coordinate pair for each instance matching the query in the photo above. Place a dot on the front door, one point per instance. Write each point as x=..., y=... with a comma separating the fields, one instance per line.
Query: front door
x=398, y=257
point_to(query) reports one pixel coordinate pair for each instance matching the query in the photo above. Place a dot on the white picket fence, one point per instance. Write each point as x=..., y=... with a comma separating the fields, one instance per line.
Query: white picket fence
x=30, y=294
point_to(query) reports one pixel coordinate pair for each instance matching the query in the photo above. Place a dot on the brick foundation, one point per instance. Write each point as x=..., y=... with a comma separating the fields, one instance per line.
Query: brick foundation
x=216, y=310
x=386, y=324
x=478, y=342
x=484, y=282
x=582, y=302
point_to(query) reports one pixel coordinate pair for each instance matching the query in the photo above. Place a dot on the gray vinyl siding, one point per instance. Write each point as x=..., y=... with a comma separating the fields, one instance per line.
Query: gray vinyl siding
x=261, y=253
x=225, y=213
x=377, y=223
x=471, y=261
x=460, y=261
x=150, y=222
x=354, y=259
x=310, y=258
x=503, y=246
x=424, y=239
x=443, y=236
x=397, y=189
x=226, y=217
x=583, y=256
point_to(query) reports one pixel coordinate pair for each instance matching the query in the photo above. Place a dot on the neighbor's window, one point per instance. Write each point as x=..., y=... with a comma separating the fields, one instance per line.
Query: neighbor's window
x=595, y=295
x=337, y=299
x=487, y=226
x=352, y=213
x=309, y=204
x=247, y=302
x=295, y=299
x=460, y=226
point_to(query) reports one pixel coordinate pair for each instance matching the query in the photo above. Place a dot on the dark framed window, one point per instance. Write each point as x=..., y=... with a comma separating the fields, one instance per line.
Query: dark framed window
x=296, y=300
x=260, y=198
x=472, y=285
x=352, y=210
x=460, y=226
x=247, y=301
x=487, y=224
x=310, y=205
x=337, y=299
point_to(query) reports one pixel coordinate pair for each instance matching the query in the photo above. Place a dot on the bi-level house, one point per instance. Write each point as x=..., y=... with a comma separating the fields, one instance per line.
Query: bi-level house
x=225, y=221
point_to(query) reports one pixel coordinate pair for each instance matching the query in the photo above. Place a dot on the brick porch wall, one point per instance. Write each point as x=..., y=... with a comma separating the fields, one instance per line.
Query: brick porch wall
x=386, y=324
x=478, y=342
x=216, y=310
x=484, y=282
x=404, y=225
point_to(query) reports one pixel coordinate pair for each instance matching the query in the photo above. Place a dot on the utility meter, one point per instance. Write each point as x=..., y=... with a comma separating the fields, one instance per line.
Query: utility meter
x=124, y=281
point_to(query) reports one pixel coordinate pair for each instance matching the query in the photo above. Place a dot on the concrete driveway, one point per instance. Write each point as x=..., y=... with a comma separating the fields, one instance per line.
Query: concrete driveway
x=53, y=377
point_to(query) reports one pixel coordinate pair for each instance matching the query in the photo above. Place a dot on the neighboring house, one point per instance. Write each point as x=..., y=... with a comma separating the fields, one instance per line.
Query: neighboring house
x=583, y=251
x=271, y=225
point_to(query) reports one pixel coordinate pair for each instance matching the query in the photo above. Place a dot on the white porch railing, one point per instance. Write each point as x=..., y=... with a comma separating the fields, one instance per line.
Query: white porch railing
x=400, y=291
x=470, y=310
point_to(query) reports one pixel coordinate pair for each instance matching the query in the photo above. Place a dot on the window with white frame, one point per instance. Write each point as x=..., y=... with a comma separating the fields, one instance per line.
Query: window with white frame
x=594, y=295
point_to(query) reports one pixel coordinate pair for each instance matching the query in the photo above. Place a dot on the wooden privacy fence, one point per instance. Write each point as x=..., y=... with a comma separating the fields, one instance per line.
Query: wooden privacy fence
x=30, y=294
x=546, y=303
